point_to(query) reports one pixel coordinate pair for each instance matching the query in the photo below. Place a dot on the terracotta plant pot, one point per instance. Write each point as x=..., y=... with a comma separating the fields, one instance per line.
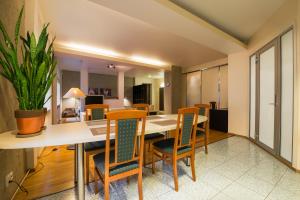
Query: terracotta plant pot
x=44, y=117
x=29, y=121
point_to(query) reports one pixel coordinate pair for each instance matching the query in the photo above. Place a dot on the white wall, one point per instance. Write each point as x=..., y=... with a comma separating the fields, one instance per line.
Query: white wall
x=238, y=93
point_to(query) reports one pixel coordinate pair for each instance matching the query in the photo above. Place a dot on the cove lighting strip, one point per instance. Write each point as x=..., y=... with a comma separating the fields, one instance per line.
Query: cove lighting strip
x=113, y=54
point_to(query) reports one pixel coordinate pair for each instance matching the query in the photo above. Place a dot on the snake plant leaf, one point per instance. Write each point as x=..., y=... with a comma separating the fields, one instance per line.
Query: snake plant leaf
x=43, y=39
x=40, y=73
x=4, y=52
x=32, y=46
x=6, y=70
x=7, y=40
x=17, y=29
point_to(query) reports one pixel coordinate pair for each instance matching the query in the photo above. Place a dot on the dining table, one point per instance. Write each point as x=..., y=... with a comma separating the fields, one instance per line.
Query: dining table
x=79, y=133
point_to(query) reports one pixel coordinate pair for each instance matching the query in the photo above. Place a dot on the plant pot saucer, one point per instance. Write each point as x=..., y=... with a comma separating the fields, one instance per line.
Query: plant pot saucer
x=28, y=135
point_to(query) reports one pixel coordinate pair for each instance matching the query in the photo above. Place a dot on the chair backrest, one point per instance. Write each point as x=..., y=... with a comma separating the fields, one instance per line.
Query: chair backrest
x=126, y=135
x=186, y=127
x=142, y=106
x=204, y=111
x=97, y=111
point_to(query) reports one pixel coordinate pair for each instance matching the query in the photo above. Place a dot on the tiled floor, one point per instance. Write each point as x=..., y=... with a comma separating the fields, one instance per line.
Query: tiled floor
x=234, y=169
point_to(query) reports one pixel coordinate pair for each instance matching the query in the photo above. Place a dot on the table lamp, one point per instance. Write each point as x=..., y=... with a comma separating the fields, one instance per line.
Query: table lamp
x=75, y=93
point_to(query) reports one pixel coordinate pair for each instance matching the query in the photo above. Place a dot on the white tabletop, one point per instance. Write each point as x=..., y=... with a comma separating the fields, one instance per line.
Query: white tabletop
x=74, y=133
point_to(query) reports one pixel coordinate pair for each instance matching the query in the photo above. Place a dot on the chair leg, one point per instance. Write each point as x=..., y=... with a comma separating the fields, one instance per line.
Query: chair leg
x=153, y=163
x=193, y=167
x=206, y=142
x=140, y=185
x=175, y=174
x=144, y=158
x=95, y=182
x=128, y=180
x=106, y=189
x=87, y=168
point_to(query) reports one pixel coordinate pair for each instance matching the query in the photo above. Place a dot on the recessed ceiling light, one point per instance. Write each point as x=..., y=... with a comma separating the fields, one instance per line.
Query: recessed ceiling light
x=111, y=66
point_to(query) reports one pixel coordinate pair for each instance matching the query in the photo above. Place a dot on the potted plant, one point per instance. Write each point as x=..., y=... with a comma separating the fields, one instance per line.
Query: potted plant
x=31, y=75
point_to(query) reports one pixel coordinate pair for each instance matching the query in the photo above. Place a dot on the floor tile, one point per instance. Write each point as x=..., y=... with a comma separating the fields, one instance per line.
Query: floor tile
x=222, y=196
x=216, y=180
x=261, y=187
x=238, y=192
x=280, y=193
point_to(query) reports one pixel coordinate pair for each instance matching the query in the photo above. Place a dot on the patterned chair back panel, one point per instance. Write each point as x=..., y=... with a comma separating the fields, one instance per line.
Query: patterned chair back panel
x=202, y=111
x=187, y=128
x=126, y=139
x=97, y=113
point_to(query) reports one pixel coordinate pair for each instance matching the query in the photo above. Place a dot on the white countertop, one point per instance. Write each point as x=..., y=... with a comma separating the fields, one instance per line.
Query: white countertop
x=74, y=133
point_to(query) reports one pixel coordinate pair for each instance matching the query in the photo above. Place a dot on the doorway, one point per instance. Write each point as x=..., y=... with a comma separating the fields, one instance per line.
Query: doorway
x=271, y=96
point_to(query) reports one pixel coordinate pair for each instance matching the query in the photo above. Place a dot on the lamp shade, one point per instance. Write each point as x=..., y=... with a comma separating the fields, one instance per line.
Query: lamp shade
x=74, y=93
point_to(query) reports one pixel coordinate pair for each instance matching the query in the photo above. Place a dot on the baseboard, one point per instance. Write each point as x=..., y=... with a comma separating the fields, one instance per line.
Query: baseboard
x=243, y=136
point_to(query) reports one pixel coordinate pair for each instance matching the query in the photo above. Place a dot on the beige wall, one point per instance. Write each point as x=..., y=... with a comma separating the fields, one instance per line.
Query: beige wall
x=238, y=93
x=11, y=160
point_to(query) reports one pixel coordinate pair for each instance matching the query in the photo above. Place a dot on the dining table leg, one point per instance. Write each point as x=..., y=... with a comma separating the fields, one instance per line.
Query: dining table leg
x=80, y=171
x=75, y=165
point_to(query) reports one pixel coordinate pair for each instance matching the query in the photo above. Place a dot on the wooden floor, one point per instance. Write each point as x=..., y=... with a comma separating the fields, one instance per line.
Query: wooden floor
x=55, y=170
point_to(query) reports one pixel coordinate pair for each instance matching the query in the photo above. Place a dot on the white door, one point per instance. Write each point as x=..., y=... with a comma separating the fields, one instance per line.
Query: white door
x=267, y=102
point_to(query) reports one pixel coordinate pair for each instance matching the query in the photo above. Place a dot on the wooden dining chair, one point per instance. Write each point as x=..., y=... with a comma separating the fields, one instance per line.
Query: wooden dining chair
x=149, y=138
x=94, y=112
x=203, y=128
x=141, y=106
x=123, y=161
x=182, y=146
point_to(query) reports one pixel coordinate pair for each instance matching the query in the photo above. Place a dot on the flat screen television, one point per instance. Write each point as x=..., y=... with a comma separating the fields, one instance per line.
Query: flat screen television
x=94, y=99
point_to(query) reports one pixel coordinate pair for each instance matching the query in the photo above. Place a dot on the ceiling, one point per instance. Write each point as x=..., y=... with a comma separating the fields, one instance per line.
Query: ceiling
x=99, y=66
x=239, y=18
x=85, y=22
x=179, y=32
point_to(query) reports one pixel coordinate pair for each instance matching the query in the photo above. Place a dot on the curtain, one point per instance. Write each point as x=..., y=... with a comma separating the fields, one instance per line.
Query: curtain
x=193, y=88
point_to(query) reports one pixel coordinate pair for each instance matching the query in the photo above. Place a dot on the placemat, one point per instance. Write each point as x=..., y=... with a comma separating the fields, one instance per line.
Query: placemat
x=98, y=122
x=101, y=130
x=154, y=117
x=167, y=122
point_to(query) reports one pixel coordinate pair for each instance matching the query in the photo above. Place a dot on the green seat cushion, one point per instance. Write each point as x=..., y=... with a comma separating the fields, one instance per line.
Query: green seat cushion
x=168, y=146
x=91, y=146
x=153, y=136
x=200, y=133
x=99, y=160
